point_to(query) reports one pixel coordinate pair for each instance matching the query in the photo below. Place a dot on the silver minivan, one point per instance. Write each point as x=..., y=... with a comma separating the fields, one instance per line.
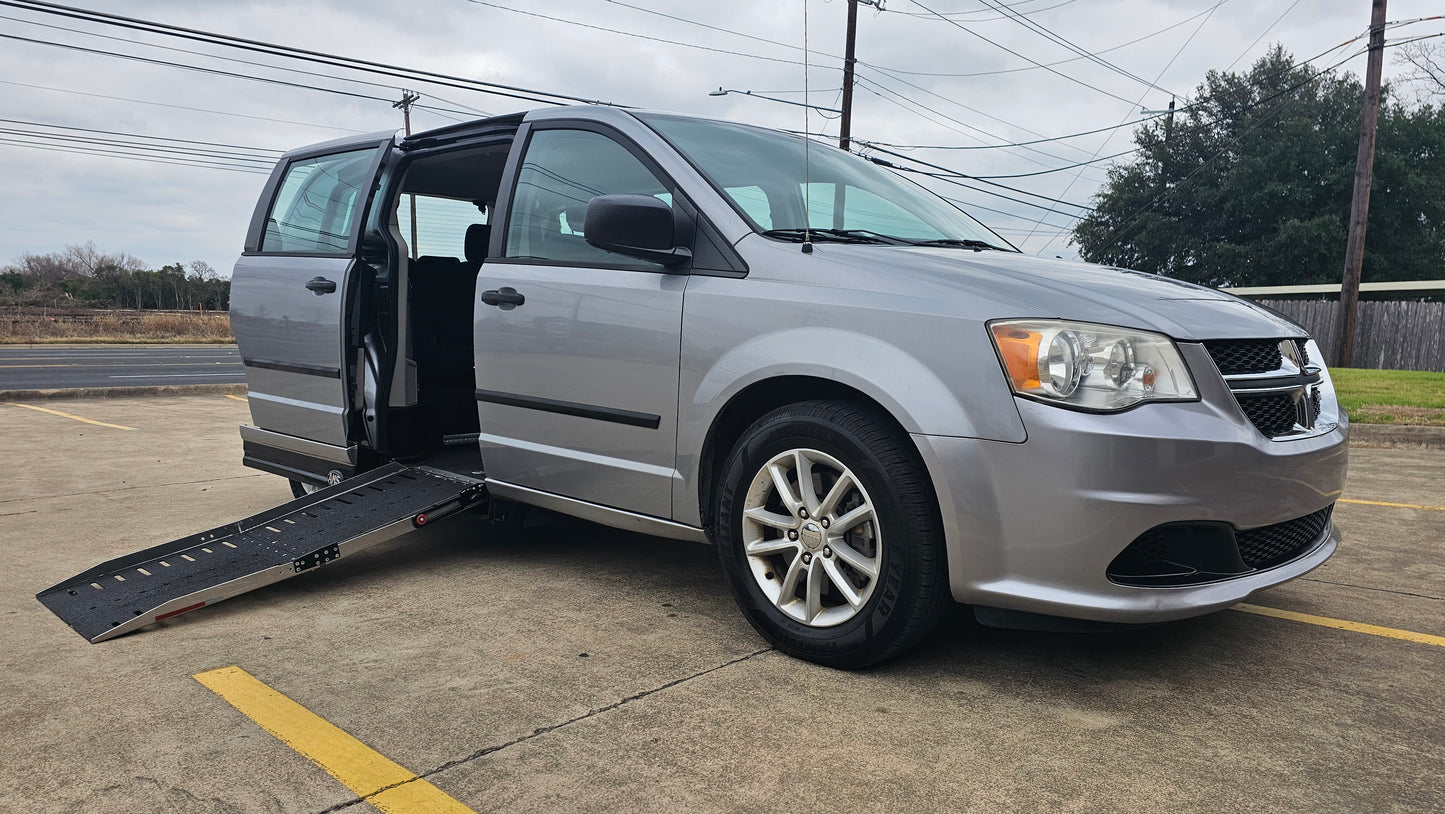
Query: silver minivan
x=872, y=404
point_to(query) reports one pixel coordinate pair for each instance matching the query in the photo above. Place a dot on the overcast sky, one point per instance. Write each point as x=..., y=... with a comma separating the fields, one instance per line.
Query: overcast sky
x=167, y=213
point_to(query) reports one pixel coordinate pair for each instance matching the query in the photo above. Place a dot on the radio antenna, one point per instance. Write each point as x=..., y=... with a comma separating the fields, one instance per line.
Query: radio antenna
x=807, y=143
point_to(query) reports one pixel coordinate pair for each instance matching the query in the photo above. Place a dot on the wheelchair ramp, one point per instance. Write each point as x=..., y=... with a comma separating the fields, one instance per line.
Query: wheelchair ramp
x=140, y=589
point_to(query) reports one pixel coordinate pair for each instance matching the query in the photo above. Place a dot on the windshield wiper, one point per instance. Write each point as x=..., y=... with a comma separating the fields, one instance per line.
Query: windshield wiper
x=963, y=243
x=834, y=236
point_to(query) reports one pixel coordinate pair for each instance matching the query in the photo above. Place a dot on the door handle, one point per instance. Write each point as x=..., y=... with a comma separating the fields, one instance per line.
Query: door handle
x=505, y=298
x=320, y=285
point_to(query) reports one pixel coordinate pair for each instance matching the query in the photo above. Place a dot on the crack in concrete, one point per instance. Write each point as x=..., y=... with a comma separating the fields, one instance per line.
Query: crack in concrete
x=451, y=764
x=1372, y=588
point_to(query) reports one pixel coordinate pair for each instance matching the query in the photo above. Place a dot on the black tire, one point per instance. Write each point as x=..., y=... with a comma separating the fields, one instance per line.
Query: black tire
x=298, y=489
x=909, y=594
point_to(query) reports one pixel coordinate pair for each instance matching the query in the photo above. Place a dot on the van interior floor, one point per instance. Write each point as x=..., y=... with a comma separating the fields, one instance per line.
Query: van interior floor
x=460, y=455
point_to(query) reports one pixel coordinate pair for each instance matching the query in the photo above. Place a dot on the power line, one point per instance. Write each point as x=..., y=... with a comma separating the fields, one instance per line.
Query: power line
x=1261, y=36
x=636, y=35
x=1055, y=38
x=1181, y=183
x=945, y=173
x=190, y=153
x=966, y=15
x=201, y=69
x=300, y=54
x=866, y=83
x=1111, y=49
x=132, y=156
x=1000, y=46
x=1128, y=115
x=1134, y=122
x=178, y=107
x=139, y=135
x=720, y=29
x=1095, y=160
x=228, y=59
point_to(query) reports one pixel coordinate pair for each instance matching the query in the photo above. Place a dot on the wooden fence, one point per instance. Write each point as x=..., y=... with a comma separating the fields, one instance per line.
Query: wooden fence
x=1389, y=334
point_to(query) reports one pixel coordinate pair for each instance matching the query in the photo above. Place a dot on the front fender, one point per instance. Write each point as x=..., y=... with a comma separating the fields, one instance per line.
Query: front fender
x=910, y=390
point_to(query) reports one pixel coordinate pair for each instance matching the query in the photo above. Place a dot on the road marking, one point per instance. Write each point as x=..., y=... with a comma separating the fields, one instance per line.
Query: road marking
x=237, y=398
x=1341, y=624
x=68, y=415
x=1394, y=505
x=379, y=781
x=173, y=375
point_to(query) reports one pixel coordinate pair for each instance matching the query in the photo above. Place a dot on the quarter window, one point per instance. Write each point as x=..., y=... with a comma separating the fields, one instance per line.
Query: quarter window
x=561, y=172
x=318, y=204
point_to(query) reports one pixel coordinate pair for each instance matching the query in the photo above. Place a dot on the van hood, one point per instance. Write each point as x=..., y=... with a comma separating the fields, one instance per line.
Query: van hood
x=1021, y=285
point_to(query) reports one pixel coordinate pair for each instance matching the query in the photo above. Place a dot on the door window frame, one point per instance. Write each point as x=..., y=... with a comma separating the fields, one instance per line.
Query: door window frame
x=684, y=222
x=256, y=234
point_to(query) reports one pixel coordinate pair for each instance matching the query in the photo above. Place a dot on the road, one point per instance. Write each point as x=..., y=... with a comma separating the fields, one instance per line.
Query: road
x=580, y=669
x=44, y=368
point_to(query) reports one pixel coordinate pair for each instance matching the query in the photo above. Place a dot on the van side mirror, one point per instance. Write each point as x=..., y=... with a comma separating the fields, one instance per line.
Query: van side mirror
x=638, y=226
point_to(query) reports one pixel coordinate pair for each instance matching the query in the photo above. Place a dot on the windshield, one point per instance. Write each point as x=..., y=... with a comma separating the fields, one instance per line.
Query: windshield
x=762, y=172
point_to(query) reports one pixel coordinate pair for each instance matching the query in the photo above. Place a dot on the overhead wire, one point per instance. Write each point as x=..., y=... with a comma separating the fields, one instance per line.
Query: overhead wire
x=1129, y=114
x=1110, y=49
x=236, y=60
x=302, y=54
x=206, y=70
x=1030, y=60
x=1049, y=35
x=177, y=107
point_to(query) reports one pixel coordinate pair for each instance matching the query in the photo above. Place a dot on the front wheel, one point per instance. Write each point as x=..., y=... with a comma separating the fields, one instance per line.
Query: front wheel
x=829, y=534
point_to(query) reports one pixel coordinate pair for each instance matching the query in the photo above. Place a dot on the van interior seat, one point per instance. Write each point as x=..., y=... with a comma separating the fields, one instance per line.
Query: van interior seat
x=479, y=239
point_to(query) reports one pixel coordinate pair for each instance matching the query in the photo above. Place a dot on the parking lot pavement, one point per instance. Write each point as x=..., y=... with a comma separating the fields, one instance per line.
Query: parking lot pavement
x=583, y=669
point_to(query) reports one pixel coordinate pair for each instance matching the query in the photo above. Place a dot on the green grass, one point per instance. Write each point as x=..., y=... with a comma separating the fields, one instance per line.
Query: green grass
x=1391, y=396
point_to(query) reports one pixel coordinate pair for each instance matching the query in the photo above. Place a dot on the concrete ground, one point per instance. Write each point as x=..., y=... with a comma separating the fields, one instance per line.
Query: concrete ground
x=582, y=669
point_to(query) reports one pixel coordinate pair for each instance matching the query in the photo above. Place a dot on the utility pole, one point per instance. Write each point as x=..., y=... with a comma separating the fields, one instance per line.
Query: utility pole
x=408, y=98
x=845, y=126
x=1360, y=205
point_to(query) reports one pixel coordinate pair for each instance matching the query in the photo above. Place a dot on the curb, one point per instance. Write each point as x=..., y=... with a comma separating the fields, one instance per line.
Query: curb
x=1396, y=436
x=124, y=392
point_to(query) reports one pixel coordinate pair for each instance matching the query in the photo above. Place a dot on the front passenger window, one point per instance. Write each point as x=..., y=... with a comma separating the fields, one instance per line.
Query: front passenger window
x=561, y=172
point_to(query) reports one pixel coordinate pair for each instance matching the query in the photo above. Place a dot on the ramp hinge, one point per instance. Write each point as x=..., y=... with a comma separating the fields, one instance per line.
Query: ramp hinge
x=320, y=556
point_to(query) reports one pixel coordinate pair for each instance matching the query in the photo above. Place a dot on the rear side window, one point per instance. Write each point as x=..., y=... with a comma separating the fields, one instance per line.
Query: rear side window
x=318, y=204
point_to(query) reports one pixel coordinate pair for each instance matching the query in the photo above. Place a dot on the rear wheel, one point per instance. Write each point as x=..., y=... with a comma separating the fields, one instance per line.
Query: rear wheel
x=830, y=536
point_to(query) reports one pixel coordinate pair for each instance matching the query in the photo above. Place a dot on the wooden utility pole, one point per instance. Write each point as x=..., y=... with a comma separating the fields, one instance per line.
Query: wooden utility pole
x=408, y=98
x=1360, y=205
x=845, y=125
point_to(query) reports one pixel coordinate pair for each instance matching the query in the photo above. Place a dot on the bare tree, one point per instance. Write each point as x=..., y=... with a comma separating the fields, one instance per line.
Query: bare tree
x=204, y=270
x=1426, y=72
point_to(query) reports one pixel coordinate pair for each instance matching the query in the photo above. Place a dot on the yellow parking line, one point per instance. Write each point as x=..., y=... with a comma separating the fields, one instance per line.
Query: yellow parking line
x=237, y=398
x=68, y=415
x=369, y=774
x=1341, y=624
x=1394, y=505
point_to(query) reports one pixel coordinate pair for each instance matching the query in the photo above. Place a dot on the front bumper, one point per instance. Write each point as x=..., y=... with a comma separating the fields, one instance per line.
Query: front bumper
x=1034, y=526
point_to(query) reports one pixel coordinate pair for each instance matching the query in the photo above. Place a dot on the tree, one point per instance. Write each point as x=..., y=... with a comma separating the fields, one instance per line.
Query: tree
x=1253, y=185
x=1425, y=68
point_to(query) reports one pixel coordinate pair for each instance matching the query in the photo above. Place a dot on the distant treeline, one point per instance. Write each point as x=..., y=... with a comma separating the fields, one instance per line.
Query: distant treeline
x=82, y=275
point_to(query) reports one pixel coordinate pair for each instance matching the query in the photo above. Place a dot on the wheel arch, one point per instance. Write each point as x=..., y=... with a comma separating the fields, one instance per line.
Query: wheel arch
x=764, y=396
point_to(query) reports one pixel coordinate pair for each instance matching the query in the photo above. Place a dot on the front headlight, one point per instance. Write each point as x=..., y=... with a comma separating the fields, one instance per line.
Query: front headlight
x=1090, y=367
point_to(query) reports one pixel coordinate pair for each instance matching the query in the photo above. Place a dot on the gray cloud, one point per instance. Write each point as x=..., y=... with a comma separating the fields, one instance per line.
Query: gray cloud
x=170, y=213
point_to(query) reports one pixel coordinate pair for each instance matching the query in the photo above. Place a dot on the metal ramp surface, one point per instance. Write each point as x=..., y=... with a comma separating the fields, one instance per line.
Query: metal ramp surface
x=140, y=589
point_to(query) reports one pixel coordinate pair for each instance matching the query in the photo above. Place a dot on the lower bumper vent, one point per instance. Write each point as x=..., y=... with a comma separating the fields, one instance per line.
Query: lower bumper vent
x=1179, y=554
